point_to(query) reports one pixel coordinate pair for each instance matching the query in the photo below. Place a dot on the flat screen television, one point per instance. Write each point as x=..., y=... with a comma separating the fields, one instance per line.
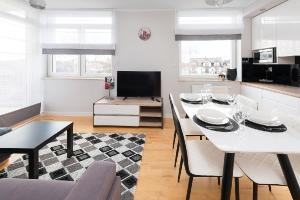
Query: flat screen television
x=138, y=84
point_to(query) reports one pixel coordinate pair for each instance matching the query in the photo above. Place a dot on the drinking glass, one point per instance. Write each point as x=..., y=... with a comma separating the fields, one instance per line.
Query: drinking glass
x=204, y=96
x=241, y=114
x=231, y=99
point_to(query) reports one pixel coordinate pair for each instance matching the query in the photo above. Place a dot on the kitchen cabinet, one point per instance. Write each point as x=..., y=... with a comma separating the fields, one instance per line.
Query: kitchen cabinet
x=268, y=29
x=288, y=27
x=256, y=33
x=268, y=100
x=264, y=31
x=278, y=27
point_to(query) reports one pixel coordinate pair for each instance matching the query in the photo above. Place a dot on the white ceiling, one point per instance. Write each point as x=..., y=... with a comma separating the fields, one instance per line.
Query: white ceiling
x=141, y=4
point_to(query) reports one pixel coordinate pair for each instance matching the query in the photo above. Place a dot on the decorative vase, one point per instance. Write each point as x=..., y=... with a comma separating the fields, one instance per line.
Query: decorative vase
x=231, y=74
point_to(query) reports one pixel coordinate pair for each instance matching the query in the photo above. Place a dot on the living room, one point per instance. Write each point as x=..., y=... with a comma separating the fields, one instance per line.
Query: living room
x=149, y=99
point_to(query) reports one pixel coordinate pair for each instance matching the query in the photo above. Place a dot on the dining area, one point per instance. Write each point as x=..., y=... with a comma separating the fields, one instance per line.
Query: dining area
x=225, y=135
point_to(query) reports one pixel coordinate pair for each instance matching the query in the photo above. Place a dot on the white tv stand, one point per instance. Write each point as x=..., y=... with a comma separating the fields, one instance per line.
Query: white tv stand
x=138, y=112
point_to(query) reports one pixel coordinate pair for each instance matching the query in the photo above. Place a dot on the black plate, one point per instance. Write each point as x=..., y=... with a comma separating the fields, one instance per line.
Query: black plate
x=191, y=102
x=229, y=127
x=219, y=102
x=272, y=129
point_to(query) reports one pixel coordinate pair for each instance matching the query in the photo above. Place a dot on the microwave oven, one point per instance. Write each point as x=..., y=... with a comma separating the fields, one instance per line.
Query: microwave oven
x=265, y=56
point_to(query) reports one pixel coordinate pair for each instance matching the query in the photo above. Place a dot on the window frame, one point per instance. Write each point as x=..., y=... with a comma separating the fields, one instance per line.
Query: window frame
x=81, y=70
x=204, y=77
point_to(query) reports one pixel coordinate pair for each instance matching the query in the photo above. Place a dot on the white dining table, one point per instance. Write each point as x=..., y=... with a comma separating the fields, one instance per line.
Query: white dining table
x=249, y=140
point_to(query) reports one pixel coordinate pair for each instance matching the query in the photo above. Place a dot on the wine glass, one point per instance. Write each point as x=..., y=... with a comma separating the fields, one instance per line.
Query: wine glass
x=242, y=114
x=204, y=96
x=231, y=99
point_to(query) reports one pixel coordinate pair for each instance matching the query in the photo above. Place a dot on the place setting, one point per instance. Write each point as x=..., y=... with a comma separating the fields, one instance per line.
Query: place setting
x=215, y=120
x=221, y=99
x=264, y=121
x=194, y=98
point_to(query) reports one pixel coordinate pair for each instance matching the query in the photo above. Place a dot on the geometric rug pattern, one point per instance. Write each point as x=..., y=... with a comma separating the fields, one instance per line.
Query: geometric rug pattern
x=123, y=149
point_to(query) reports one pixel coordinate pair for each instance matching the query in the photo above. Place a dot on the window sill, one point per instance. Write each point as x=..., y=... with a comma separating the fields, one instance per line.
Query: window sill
x=202, y=79
x=73, y=78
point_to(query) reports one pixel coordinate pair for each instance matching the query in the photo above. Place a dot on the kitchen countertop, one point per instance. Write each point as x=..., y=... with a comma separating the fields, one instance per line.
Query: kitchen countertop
x=283, y=89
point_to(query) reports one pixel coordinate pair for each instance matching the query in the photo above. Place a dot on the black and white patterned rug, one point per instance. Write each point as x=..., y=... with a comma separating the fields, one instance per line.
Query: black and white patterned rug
x=123, y=149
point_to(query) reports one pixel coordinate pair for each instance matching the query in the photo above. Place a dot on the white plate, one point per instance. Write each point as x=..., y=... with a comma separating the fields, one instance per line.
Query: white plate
x=192, y=97
x=265, y=118
x=212, y=116
x=220, y=97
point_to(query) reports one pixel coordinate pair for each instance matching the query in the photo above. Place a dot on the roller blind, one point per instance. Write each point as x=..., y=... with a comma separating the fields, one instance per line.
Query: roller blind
x=20, y=56
x=79, y=32
x=209, y=24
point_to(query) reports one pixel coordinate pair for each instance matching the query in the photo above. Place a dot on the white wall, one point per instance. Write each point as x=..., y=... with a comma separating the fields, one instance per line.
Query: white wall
x=72, y=97
x=159, y=53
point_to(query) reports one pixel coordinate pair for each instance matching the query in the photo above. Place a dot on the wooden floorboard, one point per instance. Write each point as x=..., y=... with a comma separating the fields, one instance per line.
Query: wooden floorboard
x=158, y=177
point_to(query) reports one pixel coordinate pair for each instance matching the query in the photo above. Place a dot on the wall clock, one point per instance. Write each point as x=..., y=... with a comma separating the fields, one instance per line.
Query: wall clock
x=144, y=33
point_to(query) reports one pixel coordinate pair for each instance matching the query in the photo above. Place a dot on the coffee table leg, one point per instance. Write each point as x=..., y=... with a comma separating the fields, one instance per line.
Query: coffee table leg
x=289, y=175
x=33, y=169
x=227, y=176
x=70, y=141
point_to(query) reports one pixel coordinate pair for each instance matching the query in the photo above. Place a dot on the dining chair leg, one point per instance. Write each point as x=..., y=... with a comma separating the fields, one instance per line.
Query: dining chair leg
x=180, y=169
x=237, y=188
x=174, y=138
x=270, y=188
x=200, y=137
x=176, y=156
x=255, y=188
x=188, y=194
x=219, y=180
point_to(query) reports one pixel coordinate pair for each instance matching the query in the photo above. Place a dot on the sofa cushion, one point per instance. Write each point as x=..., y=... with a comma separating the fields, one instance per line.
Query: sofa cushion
x=24, y=189
x=95, y=183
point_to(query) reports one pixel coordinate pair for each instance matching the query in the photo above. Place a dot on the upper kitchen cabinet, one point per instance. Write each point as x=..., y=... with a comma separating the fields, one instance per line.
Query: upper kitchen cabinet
x=268, y=29
x=264, y=30
x=288, y=28
x=256, y=33
x=278, y=27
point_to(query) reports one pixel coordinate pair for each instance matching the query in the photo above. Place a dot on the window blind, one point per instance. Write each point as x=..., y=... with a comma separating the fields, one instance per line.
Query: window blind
x=209, y=24
x=80, y=32
x=19, y=56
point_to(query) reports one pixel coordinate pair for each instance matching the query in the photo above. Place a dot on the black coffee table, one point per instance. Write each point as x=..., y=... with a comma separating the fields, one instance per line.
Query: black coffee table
x=32, y=137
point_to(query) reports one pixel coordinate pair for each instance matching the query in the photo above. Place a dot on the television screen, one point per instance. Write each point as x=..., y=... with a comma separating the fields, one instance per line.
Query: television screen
x=138, y=84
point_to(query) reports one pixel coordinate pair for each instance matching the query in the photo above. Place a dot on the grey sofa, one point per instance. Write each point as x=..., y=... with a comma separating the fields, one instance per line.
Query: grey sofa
x=99, y=182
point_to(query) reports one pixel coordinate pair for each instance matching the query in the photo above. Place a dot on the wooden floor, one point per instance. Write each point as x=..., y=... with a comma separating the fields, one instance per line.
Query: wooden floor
x=158, y=177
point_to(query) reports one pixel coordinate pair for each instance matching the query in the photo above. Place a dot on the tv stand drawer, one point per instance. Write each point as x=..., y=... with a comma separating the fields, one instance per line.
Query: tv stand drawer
x=116, y=120
x=116, y=109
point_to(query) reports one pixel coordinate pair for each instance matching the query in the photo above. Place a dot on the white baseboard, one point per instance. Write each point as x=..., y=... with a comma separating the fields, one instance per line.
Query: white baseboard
x=90, y=114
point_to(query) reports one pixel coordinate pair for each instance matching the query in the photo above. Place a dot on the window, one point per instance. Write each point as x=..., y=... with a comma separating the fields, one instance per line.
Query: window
x=65, y=65
x=86, y=37
x=206, y=59
x=77, y=66
x=98, y=65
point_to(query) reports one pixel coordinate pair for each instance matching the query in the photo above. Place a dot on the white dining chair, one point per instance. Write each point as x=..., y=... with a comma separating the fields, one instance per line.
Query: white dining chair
x=189, y=128
x=265, y=169
x=200, y=157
